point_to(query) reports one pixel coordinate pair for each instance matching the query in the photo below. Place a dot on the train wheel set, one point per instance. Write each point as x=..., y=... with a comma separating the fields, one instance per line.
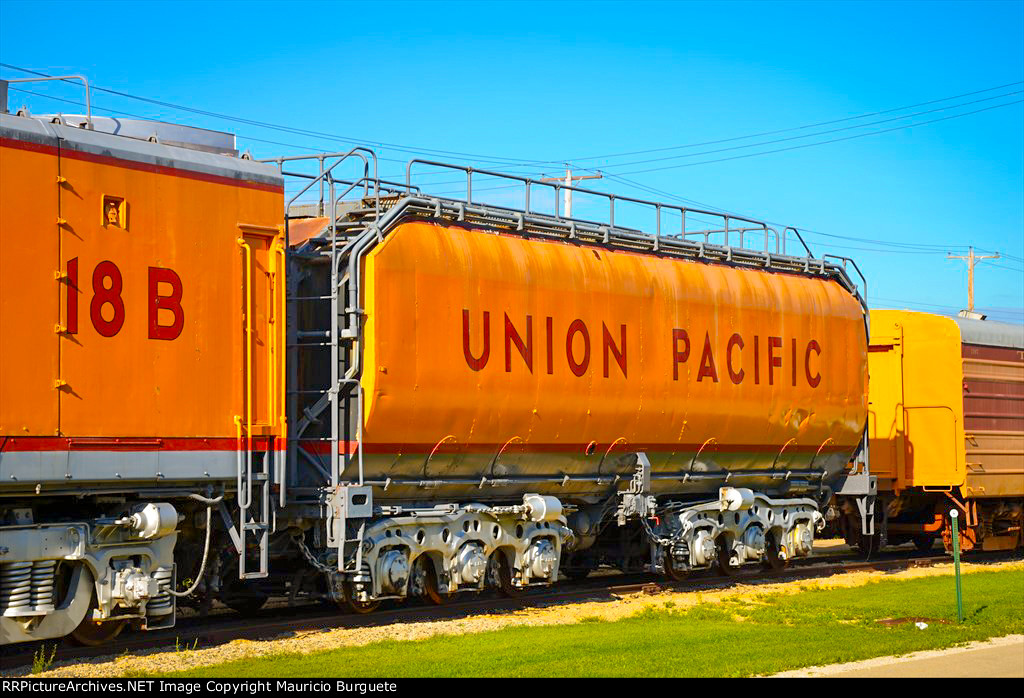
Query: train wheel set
x=366, y=392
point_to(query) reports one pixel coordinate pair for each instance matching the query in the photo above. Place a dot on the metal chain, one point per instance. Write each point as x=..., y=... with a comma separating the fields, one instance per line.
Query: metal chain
x=310, y=557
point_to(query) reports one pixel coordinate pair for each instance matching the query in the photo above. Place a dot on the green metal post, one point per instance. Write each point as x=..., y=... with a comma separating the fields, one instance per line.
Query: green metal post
x=954, y=515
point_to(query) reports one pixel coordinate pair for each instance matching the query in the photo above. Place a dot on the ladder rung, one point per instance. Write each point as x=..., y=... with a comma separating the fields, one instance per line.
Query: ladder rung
x=256, y=527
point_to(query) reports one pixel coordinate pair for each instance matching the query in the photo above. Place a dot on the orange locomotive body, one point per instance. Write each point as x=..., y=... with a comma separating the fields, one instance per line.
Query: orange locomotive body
x=141, y=345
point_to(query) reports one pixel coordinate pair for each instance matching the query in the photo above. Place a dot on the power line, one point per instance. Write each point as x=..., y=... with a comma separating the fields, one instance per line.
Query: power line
x=798, y=128
x=1010, y=312
x=318, y=134
x=619, y=177
x=304, y=148
x=922, y=247
x=520, y=162
x=818, y=133
x=1000, y=266
x=833, y=140
x=911, y=248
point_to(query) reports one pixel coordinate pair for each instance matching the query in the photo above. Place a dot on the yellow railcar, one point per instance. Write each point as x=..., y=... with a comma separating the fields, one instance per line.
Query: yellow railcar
x=946, y=427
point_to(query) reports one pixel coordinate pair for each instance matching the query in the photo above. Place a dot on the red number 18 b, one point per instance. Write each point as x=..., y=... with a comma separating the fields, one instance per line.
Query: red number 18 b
x=107, y=285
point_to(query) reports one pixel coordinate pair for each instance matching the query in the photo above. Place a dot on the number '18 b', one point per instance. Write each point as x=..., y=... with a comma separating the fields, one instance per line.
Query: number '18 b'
x=107, y=308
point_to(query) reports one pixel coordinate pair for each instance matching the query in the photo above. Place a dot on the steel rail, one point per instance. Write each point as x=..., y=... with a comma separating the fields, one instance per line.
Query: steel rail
x=227, y=627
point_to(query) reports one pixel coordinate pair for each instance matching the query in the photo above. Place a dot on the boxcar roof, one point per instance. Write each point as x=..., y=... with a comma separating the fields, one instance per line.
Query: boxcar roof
x=986, y=332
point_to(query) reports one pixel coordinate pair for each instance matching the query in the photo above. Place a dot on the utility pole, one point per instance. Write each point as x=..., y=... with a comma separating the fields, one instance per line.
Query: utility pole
x=567, y=181
x=971, y=259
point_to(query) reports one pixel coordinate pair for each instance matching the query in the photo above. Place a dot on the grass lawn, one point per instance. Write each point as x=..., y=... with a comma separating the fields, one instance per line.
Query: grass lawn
x=760, y=634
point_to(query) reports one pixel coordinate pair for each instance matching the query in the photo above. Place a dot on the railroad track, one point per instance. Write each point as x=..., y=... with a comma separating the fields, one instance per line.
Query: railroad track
x=223, y=628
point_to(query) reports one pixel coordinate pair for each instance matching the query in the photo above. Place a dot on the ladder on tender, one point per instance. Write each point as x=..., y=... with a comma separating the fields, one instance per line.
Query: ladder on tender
x=253, y=521
x=330, y=223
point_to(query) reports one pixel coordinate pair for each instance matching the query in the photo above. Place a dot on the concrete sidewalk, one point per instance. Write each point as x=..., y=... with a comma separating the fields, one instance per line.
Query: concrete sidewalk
x=998, y=658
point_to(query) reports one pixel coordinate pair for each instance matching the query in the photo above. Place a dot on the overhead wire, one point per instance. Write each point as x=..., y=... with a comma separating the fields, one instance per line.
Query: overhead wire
x=519, y=163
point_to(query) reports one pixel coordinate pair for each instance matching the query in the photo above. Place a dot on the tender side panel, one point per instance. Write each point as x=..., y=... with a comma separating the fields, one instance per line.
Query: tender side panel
x=29, y=291
x=919, y=420
x=160, y=344
x=993, y=399
x=492, y=343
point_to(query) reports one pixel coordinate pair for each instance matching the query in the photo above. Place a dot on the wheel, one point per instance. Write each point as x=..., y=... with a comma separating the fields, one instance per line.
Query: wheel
x=676, y=575
x=924, y=543
x=775, y=556
x=91, y=633
x=423, y=582
x=499, y=574
x=724, y=555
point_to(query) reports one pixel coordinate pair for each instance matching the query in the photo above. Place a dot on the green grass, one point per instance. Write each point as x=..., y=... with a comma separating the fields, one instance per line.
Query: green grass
x=759, y=634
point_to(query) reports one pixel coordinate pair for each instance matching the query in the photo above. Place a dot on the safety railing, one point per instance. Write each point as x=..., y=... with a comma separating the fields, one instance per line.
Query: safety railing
x=727, y=228
x=66, y=78
x=324, y=177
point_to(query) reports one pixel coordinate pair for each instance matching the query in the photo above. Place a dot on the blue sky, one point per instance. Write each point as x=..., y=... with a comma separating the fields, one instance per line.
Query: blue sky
x=530, y=86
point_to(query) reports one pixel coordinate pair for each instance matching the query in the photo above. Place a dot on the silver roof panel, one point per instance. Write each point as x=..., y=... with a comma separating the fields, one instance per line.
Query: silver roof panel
x=988, y=333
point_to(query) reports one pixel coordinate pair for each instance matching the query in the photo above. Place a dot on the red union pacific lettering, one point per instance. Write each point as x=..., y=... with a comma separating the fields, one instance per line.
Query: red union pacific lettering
x=518, y=336
x=619, y=351
x=474, y=362
x=742, y=358
x=735, y=341
x=513, y=337
x=734, y=358
x=577, y=327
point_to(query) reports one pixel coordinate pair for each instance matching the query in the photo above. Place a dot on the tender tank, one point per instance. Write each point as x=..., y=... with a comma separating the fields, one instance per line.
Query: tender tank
x=495, y=363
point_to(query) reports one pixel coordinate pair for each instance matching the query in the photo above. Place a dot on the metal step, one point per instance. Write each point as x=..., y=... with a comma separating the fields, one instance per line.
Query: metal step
x=254, y=512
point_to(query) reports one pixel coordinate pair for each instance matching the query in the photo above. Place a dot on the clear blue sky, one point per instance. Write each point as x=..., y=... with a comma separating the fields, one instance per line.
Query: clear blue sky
x=567, y=82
